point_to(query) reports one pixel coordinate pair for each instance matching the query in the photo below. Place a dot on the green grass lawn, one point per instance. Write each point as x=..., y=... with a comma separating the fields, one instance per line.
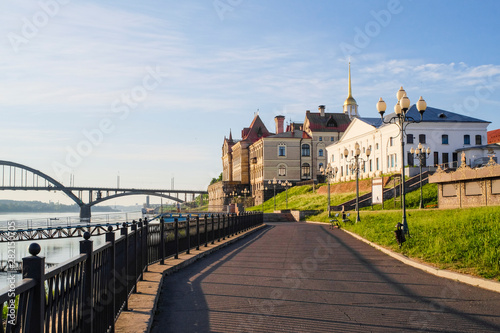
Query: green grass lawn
x=463, y=240
x=303, y=198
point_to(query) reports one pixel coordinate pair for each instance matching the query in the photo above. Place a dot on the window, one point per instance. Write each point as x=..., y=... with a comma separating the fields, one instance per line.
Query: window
x=378, y=168
x=282, y=170
x=466, y=139
x=320, y=166
x=333, y=158
x=455, y=160
x=320, y=138
x=478, y=140
x=410, y=159
x=342, y=171
x=396, y=160
x=436, y=158
x=306, y=170
x=376, y=146
x=391, y=141
x=421, y=138
x=331, y=138
x=371, y=168
x=444, y=139
x=306, y=150
x=409, y=138
x=281, y=150
x=445, y=159
x=320, y=153
x=392, y=161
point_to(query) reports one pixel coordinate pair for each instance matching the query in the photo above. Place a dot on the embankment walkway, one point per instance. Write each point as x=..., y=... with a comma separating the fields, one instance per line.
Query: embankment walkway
x=300, y=277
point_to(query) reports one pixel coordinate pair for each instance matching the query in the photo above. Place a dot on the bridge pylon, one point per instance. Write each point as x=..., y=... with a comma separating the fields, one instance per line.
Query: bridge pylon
x=85, y=211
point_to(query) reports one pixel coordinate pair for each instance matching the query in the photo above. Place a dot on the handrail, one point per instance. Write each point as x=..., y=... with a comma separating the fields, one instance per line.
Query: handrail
x=85, y=293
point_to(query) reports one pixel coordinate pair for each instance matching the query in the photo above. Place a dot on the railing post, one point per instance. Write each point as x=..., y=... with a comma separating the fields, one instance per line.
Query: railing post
x=124, y=233
x=188, y=234
x=133, y=228
x=86, y=247
x=176, y=237
x=140, y=256
x=145, y=248
x=224, y=226
x=206, y=229
x=162, y=241
x=213, y=230
x=34, y=268
x=110, y=237
x=198, y=231
x=218, y=226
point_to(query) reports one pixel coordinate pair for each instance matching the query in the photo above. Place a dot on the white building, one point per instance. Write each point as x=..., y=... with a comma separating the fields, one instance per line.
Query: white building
x=446, y=133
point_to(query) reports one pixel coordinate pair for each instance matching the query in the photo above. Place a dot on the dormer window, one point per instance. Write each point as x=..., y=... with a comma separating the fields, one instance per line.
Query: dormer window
x=331, y=122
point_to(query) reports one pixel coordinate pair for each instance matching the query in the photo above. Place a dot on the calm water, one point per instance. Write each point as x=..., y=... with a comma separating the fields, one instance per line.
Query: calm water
x=55, y=251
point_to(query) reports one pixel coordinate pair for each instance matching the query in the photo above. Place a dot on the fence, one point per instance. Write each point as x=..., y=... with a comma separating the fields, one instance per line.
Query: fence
x=88, y=292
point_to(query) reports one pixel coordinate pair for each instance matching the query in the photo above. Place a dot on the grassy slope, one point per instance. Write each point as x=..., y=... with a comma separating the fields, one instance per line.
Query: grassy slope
x=464, y=240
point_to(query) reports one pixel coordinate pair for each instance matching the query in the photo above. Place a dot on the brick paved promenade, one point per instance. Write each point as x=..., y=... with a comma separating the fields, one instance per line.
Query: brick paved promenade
x=298, y=277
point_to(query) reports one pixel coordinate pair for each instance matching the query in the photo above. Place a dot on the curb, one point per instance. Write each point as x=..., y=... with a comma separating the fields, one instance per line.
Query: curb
x=464, y=278
x=143, y=304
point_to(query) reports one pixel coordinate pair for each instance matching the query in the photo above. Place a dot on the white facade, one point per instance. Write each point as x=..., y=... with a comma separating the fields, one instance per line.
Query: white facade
x=446, y=133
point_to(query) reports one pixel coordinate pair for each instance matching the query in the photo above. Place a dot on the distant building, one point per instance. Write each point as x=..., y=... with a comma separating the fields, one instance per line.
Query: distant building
x=494, y=136
x=294, y=154
x=445, y=132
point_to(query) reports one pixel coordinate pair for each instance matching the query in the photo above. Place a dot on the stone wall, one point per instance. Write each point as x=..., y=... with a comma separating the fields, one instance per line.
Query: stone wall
x=467, y=187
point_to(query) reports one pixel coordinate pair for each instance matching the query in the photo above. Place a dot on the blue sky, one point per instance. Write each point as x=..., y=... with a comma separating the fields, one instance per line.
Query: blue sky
x=148, y=90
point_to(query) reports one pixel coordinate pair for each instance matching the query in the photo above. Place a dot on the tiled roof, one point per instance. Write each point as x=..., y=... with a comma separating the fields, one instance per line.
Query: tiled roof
x=376, y=122
x=437, y=115
x=295, y=134
x=256, y=131
x=317, y=123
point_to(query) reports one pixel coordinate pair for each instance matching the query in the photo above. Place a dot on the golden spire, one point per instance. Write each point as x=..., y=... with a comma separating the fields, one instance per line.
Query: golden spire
x=350, y=91
x=349, y=100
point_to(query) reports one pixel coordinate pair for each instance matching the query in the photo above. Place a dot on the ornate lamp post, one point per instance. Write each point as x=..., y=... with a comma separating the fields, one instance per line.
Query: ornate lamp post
x=233, y=194
x=274, y=182
x=287, y=184
x=355, y=167
x=245, y=192
x=330, y=174
x=402, y=120
x=265, y=189
x=422, y=155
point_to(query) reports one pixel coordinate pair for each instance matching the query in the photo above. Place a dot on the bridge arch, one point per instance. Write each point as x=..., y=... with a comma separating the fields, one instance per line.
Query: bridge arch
x=49, y=179
x=118, y=195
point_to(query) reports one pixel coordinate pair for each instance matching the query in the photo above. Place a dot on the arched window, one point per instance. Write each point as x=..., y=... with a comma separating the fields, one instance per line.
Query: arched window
x=306, y=170
x=282, y=170
x=320, y=153
x=306, y=150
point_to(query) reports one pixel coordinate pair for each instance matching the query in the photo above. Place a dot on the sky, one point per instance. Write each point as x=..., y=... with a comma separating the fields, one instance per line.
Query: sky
x=146, y=91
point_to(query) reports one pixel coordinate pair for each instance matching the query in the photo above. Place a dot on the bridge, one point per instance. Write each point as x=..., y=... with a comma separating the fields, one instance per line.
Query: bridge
x=18, y=177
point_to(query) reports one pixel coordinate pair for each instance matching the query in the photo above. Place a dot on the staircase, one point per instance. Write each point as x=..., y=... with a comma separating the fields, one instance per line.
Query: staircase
x=278, y=217
x=365, y=200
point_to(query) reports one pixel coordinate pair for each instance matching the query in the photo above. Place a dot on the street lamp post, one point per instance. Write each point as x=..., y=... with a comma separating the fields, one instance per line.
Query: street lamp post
x=245, y=192
x=422, y=155
x=330, y=173
x=355, y=167
x=402, y=120
x=274, y=182
x=287, y=184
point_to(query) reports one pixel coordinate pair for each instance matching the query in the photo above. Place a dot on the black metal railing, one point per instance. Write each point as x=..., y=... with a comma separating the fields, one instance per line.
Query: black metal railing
x=88, y=292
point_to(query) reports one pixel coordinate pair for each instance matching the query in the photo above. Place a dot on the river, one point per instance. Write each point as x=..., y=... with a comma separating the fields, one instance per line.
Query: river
x=56, y=250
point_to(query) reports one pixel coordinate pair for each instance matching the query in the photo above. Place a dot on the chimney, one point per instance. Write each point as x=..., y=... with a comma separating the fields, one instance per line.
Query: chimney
x=279, y=120
x=321, y=109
